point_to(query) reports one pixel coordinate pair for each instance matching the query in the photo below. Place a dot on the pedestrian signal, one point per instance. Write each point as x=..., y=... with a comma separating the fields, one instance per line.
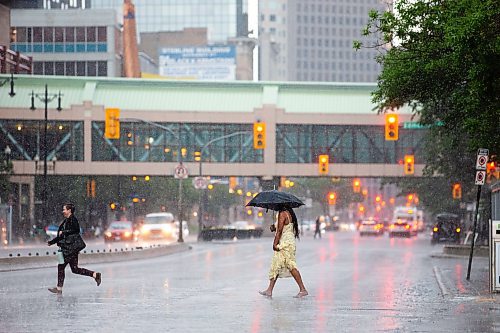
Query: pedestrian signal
x=391, y=127
x=259, y=135
x=323, y=164
x=456, y=191
x=112, y=124
x=409, y=164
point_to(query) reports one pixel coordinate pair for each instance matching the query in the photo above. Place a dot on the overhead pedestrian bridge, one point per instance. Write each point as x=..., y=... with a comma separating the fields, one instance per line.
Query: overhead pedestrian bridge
x=164, y=119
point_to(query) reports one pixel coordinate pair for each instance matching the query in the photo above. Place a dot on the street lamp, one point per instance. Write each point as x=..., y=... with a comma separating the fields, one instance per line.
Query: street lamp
x=7, y=151
x=46, y=99
x=11, y=79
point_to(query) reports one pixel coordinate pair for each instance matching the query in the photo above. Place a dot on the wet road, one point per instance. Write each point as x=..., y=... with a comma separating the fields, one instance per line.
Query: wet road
x=355, y=285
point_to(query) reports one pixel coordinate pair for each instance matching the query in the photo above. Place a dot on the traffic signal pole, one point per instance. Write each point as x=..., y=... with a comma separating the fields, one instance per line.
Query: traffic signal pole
x=478, y=197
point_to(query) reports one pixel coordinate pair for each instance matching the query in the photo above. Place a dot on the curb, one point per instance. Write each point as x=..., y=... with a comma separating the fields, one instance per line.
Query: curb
x=464, y=250
x=22, y=263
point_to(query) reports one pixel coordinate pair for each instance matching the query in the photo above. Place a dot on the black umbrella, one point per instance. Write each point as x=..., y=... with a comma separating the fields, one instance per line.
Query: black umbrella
x=275, y=200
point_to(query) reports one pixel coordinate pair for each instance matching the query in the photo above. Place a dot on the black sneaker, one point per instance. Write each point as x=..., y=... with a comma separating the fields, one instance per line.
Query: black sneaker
x=98, y=279
x=55, y=290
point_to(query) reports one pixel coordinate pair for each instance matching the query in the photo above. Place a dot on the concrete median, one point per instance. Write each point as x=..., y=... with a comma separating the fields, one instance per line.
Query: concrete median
x=31, y=262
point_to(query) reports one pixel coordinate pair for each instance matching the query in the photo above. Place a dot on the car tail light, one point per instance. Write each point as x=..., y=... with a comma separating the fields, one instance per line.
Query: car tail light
x=407, y=226
x=435, y=229
x=458, y=229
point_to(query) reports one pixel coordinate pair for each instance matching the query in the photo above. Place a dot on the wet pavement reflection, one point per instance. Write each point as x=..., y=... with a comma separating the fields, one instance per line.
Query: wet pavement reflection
x=369, y=284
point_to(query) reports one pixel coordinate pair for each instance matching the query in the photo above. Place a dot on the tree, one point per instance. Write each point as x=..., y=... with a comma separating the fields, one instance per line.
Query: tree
x=440, y=57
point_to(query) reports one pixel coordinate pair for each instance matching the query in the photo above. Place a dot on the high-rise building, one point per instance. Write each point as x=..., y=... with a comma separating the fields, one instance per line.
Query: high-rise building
x=223, y=19
x=312, y=40
x=48, y=4
x=73, y=43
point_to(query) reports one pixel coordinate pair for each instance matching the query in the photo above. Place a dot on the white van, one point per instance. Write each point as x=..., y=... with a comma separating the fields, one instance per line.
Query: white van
x=162, y=225
x=159, y=225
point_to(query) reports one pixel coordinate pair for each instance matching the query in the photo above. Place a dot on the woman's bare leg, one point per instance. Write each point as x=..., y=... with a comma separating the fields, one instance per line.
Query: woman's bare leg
x=302, y=290
x=269, y=290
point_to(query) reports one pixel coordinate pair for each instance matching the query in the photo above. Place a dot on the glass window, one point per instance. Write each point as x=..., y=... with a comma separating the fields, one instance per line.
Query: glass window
x=37, y=34
x=21, y=35
x=38, y=68
x=70, y=34
x=48, y=68
x=80, y=68
x=91, y=68
x=59, y=34
x=101, y=34
x=102, y=68
x=70, y=68
x=59, y=68
x=48, y=34
x=80, y=34
x=91, y=34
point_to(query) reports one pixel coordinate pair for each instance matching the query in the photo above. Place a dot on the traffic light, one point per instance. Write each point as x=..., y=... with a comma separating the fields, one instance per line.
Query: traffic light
x=456, y=192
x=282, y=181
x=112, y=124
x=91, y=188
x=391, y=127
x=233, y=182
x=356, y=185
x=323, y=164
x=197, y=156
x=409, y=164
x=332, y=198
x=259, y=135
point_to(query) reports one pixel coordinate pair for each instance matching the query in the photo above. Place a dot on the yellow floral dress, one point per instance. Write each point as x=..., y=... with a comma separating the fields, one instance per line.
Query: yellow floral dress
x=284, y=260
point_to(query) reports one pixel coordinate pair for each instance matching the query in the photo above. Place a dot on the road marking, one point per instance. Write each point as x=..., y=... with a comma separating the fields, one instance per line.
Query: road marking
x=437, y=274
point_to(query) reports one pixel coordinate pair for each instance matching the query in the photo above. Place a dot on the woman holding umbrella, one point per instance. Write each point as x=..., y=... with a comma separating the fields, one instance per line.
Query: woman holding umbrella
x=283, y=263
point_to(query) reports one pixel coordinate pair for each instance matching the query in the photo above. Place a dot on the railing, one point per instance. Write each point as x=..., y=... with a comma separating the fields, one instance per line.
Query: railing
x=15, y=61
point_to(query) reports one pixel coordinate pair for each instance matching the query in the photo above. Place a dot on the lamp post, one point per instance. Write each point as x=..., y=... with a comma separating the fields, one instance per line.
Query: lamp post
x=46, y=99
x=200, y=202
x=7, y=151
x=11, y=79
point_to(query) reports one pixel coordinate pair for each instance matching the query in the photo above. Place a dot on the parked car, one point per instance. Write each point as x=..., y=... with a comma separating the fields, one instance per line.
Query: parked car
x=120, y=231
x=371, y=227
x=400, y=228
x=447, y=228
x=51, y=231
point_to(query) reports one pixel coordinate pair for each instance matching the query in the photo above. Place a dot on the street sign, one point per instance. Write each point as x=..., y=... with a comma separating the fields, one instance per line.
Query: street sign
x=200, y=183
x=180, y=172
x=480, y=177
x=482, y=159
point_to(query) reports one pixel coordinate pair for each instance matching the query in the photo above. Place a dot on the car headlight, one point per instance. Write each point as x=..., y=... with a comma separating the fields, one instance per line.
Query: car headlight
x=127, y=234
x=108, y=234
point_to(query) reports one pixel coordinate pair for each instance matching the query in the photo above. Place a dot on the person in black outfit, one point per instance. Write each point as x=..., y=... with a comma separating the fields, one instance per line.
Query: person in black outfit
x=68, y=227
x=317, y=230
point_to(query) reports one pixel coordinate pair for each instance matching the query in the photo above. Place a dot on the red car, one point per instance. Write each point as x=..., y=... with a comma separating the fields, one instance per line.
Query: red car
x=120, y=231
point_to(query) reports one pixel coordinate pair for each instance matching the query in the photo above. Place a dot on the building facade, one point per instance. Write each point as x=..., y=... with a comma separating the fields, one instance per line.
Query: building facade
x=223, y=18
x=78, y=43
x=312, y=40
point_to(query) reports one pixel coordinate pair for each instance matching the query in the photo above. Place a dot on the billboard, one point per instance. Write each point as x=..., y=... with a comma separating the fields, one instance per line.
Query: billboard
x=204, y=63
